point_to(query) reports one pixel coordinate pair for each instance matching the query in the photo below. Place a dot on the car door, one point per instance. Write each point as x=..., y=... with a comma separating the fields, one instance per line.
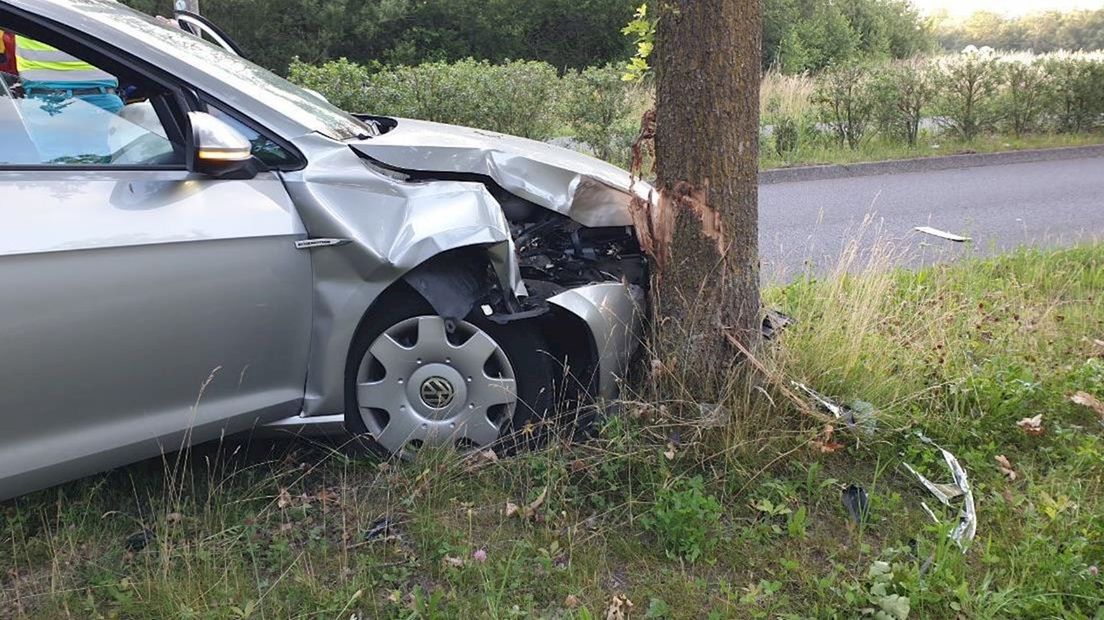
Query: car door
x=141, y=306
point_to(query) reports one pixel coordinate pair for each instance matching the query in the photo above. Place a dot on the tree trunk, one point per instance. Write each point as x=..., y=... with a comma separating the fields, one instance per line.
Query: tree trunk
x=707, y=159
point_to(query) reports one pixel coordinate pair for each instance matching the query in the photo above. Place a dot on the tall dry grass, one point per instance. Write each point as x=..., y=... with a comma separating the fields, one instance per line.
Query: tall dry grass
x=785, y=96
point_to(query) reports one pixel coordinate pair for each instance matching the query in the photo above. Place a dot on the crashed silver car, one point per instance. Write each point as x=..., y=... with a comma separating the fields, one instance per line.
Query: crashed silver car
x=229, y=251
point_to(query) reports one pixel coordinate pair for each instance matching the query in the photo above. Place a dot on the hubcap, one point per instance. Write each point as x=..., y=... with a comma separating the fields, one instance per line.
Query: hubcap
x=419, y=384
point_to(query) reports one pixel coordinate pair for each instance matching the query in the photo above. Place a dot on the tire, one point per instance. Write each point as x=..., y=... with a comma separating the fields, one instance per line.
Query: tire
x=408, y=320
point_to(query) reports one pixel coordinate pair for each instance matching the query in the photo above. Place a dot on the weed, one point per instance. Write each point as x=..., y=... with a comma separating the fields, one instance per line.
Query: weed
x=684, y=518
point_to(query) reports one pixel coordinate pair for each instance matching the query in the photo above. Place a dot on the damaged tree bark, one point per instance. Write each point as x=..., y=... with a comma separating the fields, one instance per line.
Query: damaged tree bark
x=704, y=227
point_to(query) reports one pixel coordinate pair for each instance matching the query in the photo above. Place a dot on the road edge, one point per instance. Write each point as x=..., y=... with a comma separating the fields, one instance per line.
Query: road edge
x=799, y=174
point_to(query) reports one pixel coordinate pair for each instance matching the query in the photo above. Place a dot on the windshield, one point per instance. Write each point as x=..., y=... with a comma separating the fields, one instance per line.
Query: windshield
x=259, y=83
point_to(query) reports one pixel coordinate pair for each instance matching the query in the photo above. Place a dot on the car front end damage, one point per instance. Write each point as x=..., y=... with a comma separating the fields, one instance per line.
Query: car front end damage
x=473, y=220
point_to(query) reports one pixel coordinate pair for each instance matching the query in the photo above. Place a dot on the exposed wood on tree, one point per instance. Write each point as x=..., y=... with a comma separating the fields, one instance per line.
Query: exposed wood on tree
x=702, y=231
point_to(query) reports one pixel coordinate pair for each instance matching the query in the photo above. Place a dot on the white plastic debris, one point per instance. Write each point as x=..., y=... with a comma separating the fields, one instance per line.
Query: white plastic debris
x=942, y=234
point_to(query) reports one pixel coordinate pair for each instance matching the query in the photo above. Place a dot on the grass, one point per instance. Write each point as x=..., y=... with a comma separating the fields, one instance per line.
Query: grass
x=826, y=151
x=785, y=96
x=728, y=516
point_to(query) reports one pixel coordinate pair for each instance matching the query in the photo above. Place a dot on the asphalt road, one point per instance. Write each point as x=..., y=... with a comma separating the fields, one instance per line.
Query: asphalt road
x=812, y=224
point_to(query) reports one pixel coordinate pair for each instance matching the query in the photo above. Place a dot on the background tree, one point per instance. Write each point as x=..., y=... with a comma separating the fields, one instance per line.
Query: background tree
x=1045, y=31
x=798, y=35
x=704, y=231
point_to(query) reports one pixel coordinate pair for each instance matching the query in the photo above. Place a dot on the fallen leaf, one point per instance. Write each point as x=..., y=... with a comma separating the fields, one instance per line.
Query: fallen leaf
x=327, y=496
x=533, y=506
x=1032, y=426
x=670, y=452
x=1006, y=467
x=481, y=459
x=1088, y=400
x=657, y=369
x=283, y=500
x=529, y=510
x=825, y=443
x=619, y=608
x=453, y=561
x=571, y=601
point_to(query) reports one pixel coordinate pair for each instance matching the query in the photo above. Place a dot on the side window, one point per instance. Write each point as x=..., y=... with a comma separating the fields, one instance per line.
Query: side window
x=264, y=149
x=76, y=113
x=16, y=147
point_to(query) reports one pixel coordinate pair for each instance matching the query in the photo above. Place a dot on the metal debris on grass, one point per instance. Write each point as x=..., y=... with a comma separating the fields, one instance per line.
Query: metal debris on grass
x=139, y=540
x=774, y=322
x=942, y=234
x=964, y=532
x=860, y=413
x=381, y=529
x=856, y=502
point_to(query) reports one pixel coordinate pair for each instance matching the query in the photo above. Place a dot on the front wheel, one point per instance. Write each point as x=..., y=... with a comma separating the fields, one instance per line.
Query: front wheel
x=411, y=382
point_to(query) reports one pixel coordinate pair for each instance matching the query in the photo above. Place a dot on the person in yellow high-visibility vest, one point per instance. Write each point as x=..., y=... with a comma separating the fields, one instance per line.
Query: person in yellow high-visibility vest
x=7, y=53
x=49, y=73
x=67, y=105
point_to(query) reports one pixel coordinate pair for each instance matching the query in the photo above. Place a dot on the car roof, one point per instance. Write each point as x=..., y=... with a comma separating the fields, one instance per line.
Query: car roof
x=253, y=91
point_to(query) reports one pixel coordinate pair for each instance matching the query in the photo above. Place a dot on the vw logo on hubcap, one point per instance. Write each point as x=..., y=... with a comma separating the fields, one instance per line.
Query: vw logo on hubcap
x=437, y=392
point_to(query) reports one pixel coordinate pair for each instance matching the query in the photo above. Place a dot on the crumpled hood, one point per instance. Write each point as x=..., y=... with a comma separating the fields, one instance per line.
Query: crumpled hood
x=585, y=189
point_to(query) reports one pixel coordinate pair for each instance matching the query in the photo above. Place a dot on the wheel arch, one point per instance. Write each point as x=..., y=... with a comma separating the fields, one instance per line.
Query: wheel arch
x=454, y=282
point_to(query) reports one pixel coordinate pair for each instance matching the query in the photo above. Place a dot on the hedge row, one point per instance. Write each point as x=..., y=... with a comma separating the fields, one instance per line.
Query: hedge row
x=968, y=94
x=523, y=98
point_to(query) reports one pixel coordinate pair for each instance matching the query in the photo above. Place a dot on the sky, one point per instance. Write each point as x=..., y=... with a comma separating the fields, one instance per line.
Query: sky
x=1010, y=7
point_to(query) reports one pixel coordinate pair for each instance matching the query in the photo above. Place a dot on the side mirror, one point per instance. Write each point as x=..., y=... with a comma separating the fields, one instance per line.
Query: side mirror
x=218, y=150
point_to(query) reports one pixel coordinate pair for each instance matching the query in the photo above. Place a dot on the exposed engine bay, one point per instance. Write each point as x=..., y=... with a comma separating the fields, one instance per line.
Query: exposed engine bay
x=558, y=251
x=554, y=252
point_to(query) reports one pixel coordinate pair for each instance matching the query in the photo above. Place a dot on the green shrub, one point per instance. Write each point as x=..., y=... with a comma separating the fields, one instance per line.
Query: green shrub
x=345, y=84
x=903, y=92
x=598, y=108
x=684, y=518
x=1078, y=82
x=520, y=98
x=1025, y=95
x=786, y=136
x=968, y=86
x=844, y=97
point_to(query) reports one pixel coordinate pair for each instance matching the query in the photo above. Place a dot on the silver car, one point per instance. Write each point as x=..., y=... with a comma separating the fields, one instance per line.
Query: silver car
x=230, y=251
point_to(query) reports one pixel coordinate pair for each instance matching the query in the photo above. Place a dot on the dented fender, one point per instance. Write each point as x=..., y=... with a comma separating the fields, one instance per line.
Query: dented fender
x=387, y=228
